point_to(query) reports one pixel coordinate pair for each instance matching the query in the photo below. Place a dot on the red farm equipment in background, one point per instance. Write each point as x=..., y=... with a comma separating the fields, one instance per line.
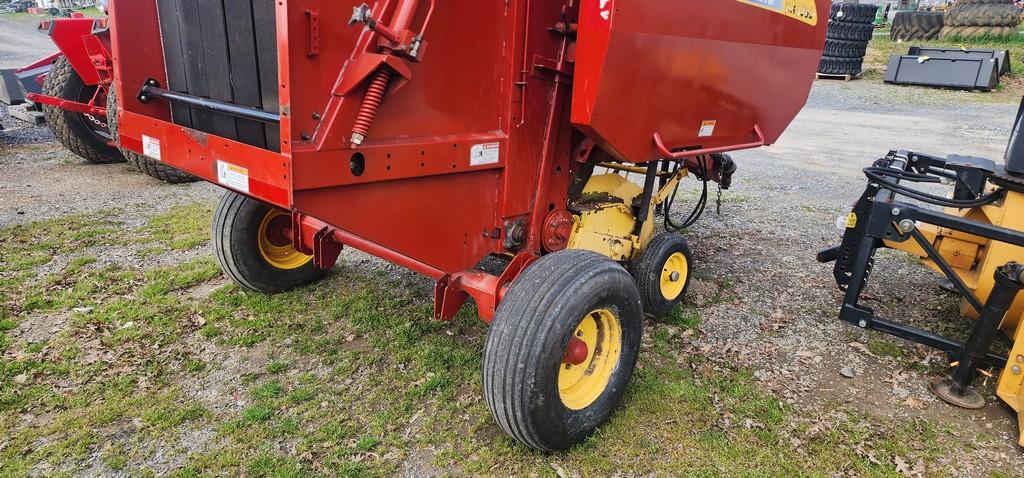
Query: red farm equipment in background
x=485, y=144
x=69, y=91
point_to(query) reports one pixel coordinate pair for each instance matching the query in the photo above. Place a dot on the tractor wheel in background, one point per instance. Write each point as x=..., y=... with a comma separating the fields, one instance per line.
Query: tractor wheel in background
x=840, y=66
x=967, y=33
x=845, y=48
x=984, y=2
x=562, y=349
x=254, y=247
x=840, y=30
x=854, y=12
x=153, y=168
x=662, y=273
x=908, y=26
x=983, y=16
x=85, y=135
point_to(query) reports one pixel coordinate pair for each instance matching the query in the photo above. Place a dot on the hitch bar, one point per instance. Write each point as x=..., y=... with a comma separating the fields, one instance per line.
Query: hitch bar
x=152, y=90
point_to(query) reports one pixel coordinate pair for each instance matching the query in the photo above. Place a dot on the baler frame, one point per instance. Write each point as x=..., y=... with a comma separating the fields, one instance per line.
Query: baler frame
x=485, y=183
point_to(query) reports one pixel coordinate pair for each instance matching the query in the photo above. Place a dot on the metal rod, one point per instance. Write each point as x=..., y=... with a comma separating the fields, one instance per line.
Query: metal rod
x=946, y=269
x=929, y=339
x=645, y=202
x=1008, y=285
x=150, y=91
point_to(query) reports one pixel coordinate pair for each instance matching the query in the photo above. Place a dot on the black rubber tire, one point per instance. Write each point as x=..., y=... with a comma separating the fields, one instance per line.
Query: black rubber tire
x=236, y=225
x=525, y=346
x=983, y=16
x=984, y=2
x=845, y=48
x=840, y=30
x=647, y=270
x=74, y=130
x=907, y=26
x=151, y=167
x=854, y=12
x=975, y=33
x=840, y=66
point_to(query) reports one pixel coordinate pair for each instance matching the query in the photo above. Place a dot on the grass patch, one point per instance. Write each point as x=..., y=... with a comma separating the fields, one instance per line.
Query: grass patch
x=181, y=228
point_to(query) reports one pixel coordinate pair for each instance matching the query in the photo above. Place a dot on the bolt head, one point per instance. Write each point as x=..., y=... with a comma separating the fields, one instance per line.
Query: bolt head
x=1016, y=369
x=674, y=277
x=863, y=323
x=906, y=225
x=896, y=211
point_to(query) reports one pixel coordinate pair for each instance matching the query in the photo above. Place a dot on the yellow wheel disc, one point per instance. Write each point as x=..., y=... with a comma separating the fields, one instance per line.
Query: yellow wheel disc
x=673, y=276
x=581, y=385
x=275, y=246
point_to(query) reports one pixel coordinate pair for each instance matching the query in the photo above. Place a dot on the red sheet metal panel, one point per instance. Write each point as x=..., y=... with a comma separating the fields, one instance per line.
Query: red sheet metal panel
x=701, y=74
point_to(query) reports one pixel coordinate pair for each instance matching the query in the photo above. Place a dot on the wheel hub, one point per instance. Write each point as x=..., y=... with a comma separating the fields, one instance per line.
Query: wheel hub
x=673, y=276
x=275, y=242
x=590, y=359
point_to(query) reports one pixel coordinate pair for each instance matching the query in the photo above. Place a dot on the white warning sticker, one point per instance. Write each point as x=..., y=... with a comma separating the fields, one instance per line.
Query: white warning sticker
x=487, y=153
x=707, y=129
x=234, y=177
x=151, y=147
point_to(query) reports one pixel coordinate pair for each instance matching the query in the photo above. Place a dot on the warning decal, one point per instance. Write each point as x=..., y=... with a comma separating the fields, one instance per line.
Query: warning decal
x=234, y=177
x=804, y=10
x=151, y=147
x=488, y=153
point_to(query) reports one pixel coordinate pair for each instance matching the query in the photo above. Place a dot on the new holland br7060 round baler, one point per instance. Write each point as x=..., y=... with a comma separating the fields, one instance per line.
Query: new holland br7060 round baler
x=483, y=143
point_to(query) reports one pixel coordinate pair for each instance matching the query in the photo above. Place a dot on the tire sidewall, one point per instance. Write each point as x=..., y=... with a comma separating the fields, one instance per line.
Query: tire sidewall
x=243, y=251
x=561, y=426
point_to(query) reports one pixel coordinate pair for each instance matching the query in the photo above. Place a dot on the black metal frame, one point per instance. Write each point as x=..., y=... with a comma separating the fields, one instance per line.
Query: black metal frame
x=878, y=218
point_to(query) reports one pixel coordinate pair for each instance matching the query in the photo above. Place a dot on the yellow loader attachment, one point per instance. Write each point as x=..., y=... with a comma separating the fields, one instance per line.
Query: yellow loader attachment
x=976, y=241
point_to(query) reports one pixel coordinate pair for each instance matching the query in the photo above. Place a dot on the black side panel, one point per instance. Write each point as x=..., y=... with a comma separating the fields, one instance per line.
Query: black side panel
x=224, y=50
x=174, y=52
x=245, y=74
x=265, y=20
x=216, y=62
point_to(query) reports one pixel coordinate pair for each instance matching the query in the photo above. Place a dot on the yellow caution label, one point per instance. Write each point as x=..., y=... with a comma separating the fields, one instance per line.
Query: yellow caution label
x=851, y=221
x=804, y=10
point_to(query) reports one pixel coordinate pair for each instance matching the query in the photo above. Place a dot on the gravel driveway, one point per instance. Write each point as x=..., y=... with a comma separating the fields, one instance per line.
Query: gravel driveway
x=779, y=319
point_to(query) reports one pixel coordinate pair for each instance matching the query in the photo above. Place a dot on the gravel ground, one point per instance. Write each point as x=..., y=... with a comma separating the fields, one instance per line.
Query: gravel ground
x=763, y=300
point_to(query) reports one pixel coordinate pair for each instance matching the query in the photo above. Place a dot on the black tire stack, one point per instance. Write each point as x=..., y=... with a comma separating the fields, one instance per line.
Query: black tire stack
x=909, y=26
x=973, y=19
x=850, y=28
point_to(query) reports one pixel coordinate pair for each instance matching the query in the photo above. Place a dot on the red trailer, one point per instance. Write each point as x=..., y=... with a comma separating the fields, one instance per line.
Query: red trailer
x=484, y=144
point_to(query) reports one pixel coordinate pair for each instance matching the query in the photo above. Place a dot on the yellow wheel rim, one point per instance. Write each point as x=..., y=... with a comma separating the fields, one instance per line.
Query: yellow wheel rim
x=581, y=385
x=673, y=276
x=275, y=244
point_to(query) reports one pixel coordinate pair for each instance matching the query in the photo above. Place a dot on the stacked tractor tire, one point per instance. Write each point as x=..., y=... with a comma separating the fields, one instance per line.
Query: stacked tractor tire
x=973, y=19
x=850, y=28
x=910, y=26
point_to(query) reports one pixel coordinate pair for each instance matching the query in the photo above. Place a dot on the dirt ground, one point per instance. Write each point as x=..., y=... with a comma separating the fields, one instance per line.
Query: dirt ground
x=743, y=380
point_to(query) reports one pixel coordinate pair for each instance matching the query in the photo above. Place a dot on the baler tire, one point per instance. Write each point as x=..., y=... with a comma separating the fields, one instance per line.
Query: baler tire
x=150, y=167
x=528, y=344
x=237, y=224
x=854, y=12
x=649, y=270
x=845, y=48
x=840, y=30
x=73, y=129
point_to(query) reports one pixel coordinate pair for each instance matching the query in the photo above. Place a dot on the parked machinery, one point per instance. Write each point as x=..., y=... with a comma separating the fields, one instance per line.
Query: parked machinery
x=71, y=90
x=480, y=143
x=977, y=242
